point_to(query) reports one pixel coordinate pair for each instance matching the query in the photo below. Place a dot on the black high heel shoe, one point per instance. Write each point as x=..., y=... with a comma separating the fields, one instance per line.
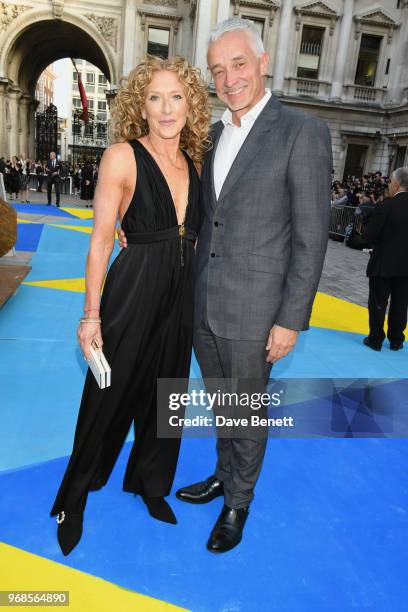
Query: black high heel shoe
x=69, y=530
x=159, y=509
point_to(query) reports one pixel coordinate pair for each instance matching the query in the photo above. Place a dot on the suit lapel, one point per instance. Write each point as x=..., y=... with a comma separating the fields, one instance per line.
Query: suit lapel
x=215, y=139
x=252, y=145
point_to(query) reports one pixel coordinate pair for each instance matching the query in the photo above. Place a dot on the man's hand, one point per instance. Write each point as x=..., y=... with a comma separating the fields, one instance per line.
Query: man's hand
x=122, y=239
x=280, y=342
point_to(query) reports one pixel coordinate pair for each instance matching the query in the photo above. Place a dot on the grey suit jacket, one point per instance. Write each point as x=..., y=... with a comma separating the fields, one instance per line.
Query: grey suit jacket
x=261, y=247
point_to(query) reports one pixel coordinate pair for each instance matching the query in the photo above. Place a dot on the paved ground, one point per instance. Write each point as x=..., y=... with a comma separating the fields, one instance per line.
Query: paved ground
x=344, y=273
x=41, y=198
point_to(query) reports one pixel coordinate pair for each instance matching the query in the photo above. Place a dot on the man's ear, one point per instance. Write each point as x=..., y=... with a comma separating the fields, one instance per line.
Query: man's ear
x=264, y=63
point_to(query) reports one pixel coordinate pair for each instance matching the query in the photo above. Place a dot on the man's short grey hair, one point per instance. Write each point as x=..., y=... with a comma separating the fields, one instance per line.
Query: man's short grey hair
x=231, y=25
x=401, y=175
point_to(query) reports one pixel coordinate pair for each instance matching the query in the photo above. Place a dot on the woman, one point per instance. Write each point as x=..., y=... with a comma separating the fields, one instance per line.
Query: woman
x=77, y=179
x=13, y=177
x=146, y=308
x=24, y=179
x=87, y=183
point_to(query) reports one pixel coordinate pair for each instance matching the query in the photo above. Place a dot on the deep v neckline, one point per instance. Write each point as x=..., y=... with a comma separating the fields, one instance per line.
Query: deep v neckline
x=167, y=184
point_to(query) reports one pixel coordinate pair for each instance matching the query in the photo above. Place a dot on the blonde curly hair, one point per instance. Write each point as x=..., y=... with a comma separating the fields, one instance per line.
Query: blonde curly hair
x=127, y=121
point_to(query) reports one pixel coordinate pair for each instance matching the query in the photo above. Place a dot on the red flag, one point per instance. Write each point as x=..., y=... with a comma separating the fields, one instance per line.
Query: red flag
x=84, y=100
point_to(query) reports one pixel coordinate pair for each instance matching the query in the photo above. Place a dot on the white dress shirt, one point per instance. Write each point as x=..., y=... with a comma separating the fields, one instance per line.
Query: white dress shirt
x=232, y=138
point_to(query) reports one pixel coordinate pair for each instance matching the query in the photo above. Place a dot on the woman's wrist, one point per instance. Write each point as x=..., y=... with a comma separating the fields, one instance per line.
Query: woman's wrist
x=92, y=311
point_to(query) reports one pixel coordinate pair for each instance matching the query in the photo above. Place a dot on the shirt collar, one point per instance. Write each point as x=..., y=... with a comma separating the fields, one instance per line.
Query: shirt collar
x=249, y=116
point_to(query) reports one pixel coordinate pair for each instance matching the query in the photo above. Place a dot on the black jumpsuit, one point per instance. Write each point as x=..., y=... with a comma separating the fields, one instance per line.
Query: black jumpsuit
x=147, y=325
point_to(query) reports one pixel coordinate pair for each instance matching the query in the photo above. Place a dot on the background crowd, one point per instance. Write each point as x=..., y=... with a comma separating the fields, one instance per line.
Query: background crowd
x=18, y=171
x=353, y=190
x=362, y=193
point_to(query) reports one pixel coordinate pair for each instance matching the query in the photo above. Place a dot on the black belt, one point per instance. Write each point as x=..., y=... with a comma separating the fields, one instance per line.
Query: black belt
x=167, y=234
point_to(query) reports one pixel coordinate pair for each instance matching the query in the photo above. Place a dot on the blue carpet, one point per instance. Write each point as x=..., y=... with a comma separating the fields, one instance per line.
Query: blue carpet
x=327, y=531
x=42, y=209
x=328, y=526
x=28, y=236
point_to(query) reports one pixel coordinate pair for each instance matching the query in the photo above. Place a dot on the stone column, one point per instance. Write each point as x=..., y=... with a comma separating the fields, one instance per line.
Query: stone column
x=223, y=10
x=341, y=55
x=13, y=127
x=24, y=122
x=282, y=46
x=202, y=30
x=129, y=38
x=3, y=123
x=398, y=65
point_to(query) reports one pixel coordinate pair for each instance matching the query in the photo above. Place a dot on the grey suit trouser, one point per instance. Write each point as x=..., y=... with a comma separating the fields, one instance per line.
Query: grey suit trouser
x=239, y=460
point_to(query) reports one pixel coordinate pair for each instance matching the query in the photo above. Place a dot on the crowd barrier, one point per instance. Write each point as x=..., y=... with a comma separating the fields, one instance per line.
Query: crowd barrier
x=341, y=217
x=65, y=185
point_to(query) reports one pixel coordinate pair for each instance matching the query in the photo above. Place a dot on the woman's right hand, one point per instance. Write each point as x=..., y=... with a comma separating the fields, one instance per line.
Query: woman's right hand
x=86, y=333
x=122, y=239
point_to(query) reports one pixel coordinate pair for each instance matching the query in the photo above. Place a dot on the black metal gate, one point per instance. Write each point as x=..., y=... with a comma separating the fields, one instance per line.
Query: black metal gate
x=46, y=132
x=89, y=140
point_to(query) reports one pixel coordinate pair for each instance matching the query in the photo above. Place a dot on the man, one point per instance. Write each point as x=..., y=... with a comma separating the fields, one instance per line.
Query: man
x=387, y=268
x=266, y=187
x=341, y=198
x=53, y=178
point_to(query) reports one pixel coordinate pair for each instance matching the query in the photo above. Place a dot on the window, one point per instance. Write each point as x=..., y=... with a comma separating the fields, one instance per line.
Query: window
x=75, y=76
x=258, y=23
x=355, y=160
x=158, y=42
x=76, y=129
x=101, y=130
x=310, y=51
x=400, y=157
x=102, y=83
x=368, y=60
x=91, y=104
x=101, y=105
x=90, y=78
x=88, y=132
x=76, y=102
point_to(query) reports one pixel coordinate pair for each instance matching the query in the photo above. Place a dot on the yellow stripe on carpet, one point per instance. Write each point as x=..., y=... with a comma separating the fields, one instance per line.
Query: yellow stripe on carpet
x=333, y=313
x=23, y=571
x=80, y=213
x=76, y=228
x=65, y=284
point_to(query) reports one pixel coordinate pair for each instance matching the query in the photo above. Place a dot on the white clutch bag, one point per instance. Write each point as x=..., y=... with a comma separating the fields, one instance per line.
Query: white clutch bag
x=99, y=366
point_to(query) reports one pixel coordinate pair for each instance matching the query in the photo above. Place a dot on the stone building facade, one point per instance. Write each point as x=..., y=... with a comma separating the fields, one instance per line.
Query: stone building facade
x=343, y=60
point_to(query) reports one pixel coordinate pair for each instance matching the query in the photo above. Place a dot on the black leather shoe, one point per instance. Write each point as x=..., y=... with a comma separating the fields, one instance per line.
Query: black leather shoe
x=201, y=492
x=227, y=532
x=396, y=346
x=372, y=345
x=69, y=530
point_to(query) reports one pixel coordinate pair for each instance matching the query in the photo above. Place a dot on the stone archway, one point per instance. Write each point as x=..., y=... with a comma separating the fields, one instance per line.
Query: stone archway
x=36, y=40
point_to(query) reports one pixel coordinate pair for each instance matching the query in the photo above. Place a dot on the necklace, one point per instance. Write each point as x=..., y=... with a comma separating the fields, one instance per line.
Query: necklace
x=182, y=228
